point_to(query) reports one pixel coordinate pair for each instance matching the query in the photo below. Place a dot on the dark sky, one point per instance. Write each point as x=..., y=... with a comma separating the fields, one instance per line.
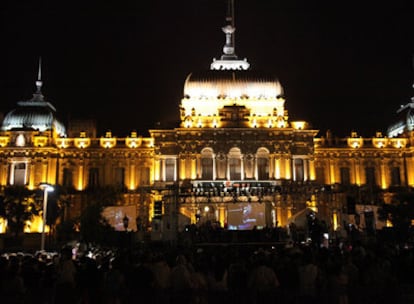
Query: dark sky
x=344, y=65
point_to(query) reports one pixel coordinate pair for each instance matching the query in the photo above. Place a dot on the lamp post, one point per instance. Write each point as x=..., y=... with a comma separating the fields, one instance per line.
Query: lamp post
x=46, y=188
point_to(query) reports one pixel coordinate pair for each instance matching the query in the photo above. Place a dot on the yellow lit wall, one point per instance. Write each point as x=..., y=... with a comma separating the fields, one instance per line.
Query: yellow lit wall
x=132, y=181
x=312, y=174
x=3, y=225
x=277, y=168
x=80, y=184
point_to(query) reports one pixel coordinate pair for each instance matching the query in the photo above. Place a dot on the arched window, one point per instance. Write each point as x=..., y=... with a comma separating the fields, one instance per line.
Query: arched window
x=262, y=164
x=207, y=164
x=235, y=163
x=299, y=170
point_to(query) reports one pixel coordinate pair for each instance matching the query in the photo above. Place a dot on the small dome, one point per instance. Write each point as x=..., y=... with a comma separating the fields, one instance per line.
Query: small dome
x=404, y=122
x=33, y=115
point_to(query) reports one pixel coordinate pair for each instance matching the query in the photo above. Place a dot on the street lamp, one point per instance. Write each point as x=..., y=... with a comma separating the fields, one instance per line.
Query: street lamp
x=46, y=188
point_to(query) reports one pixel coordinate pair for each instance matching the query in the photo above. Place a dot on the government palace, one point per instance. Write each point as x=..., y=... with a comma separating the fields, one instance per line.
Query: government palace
x=235, y=160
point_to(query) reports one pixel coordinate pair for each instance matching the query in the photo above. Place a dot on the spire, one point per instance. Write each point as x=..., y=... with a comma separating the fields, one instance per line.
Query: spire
x=38, y=96
x=229, y=29
x=229, y=60
x=39, y=77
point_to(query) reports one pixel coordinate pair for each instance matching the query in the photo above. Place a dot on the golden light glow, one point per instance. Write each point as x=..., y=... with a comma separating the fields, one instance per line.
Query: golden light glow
x=80, y=178
x=147, y=142
x=3, y=225
x=379, y=142
x=108, y=141
x=4, y=140
x=335, y=220
x=355, y=142
x=398, y=142
x=277, y=168
x=188, y=122
x=281, y=123
x=82, y=143
x=222, y=216
x=40, y=141
x=254, y=123
x=133, y=142
x=132, y=178
x=298, y=125
x=63, y=142
x=157, y=167
x=312, y=172
x=288, y=171
x=35, y=225
x=270, y=123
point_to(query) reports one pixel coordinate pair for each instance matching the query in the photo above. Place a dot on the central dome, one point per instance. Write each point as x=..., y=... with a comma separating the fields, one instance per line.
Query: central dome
x=232, y=84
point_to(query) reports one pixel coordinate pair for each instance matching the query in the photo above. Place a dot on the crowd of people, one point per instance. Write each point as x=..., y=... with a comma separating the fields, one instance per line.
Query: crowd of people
x=162, y=274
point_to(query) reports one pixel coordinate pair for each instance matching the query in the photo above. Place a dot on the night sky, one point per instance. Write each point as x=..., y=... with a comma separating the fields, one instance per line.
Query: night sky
x=344, y=65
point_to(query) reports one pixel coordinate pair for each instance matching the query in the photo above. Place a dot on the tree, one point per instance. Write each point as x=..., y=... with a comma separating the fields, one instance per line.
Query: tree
x=400, y=213
x=18, y=205
x=94, y=228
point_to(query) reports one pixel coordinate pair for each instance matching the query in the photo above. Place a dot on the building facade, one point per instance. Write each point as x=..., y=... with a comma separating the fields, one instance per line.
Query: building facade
x=236, y=159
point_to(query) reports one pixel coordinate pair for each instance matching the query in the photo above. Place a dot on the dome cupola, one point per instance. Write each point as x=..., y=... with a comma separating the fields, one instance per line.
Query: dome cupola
x=34, y=114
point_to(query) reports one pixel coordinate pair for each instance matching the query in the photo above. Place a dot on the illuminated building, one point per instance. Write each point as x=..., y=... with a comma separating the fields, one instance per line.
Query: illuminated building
x=235, y=151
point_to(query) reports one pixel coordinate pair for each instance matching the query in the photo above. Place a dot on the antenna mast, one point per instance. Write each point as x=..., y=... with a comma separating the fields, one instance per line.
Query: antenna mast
x=39, y=77
x=230, y=18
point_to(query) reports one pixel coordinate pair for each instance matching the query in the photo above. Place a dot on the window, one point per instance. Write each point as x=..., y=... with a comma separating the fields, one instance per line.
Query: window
x=370, y=176
x=145, y=176
x=93, y=181
x=262, y=164
x=67, y=178
x=395, y=176
x=120, y=177
x=298, y=165
x=262, y=168
x=345, y=176
x=235, y=164
x=207, y=164
x=169, y=169
x=320, y=175
x=18, y=174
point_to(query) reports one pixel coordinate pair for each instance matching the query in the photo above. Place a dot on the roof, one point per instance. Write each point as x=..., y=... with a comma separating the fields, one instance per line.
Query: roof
x=33, y=114
x=226, y=83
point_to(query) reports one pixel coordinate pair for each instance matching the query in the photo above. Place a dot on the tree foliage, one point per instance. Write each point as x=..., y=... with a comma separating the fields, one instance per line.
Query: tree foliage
x=18, y=205
x=94, y=228
x=400, y=213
